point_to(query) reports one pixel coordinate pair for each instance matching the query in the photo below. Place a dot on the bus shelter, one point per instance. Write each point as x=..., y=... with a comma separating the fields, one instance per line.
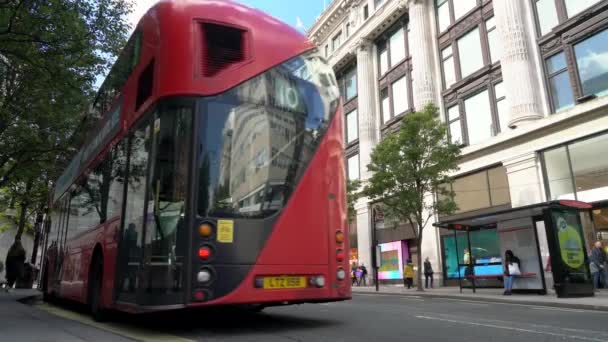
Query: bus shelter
x=547, y=238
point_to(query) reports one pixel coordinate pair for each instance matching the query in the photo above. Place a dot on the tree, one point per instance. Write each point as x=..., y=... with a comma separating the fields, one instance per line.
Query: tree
x=409, y=167
x=352, y=195
x=50, y=55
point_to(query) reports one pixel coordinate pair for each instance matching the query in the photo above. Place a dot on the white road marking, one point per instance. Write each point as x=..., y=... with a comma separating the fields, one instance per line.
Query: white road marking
x=495, y=326
x=545, y=308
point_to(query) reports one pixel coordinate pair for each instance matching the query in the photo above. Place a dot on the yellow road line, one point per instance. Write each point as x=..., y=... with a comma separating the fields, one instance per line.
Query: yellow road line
x=116, y=328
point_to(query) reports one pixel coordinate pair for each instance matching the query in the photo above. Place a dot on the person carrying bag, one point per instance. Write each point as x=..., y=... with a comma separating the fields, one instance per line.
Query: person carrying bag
x=512, y=268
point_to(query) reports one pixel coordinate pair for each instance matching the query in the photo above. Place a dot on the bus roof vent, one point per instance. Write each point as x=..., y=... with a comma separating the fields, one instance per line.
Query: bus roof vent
x=223, y=47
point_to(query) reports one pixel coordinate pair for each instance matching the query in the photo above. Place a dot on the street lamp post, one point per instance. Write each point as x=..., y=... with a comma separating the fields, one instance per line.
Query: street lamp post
x=375, y=249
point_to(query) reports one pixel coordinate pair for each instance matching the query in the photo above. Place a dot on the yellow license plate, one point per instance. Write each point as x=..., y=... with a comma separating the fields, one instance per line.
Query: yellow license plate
x=284, y=282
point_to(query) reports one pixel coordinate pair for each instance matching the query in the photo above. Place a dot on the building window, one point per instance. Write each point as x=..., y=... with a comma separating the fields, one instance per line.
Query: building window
x=502, y=107
x=377, y=3
x=559, y=82
x=352, y=126
x=350, y=84
x=386, y=106
x=548, y=19
x=353, y=167
x=336, y=41
x=455, y=128
x=326, y=50
x=443, y=14
x=484, y=189
x=459, y=8
x=365, y=12
x=493, y=40
x=400, y=96
x=591, y=60
x=574, y=7
x=397, y=47
x=478, y=117
x=449, y=74
x=578, y=170
x=347, y=29
x=383, y=58
x=470, y=53
x=392, y=51
x=550, y=13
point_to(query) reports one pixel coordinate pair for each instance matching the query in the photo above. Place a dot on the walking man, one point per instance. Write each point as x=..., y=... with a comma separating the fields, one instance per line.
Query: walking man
x=597, y=265
x=428, y=273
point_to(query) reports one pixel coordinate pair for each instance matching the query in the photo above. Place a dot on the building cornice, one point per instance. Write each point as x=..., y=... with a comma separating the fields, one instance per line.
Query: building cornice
x=366, y=32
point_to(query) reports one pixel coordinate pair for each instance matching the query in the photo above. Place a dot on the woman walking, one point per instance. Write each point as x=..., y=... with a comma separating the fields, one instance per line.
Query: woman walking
x=511, y=269
x=408, y=274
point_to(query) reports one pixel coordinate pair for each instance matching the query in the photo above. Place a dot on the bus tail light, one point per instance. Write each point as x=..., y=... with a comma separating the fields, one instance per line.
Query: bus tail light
x=199, y=296
x=339, y=237
x=318, y=281
x=205, y=230
x=204, y=253
x=204, y=276
x=340, y=255
x=341, y=274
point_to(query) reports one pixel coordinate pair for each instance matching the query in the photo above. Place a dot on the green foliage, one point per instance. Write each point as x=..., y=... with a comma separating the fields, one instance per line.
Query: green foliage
x=410, y=166
x=352, y=195
x=50, y=55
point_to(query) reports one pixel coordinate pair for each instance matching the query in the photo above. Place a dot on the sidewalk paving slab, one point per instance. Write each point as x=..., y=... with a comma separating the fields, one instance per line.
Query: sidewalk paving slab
x=598, y=302
x=22, y=322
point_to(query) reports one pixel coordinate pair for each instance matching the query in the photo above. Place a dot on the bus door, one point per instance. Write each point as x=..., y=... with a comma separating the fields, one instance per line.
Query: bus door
x=165, y=235
x=130, y=251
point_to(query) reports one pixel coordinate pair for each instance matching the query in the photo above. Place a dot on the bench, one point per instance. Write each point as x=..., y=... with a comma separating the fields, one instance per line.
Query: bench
x=523, y=275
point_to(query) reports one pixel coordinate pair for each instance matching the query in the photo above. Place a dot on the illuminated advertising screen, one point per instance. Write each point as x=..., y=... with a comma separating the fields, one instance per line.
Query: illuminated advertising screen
x=392, y=257
x=484, y=250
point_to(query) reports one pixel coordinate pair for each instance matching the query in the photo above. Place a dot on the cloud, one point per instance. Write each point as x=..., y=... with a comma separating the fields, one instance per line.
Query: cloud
x=140, y=7
x=300, y=24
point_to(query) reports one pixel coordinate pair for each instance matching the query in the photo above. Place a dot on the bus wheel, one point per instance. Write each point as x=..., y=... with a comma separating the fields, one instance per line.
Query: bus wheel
x=44, y=284
x=95, y=285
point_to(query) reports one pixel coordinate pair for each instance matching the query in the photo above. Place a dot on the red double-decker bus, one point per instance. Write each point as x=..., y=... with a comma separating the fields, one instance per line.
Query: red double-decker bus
x=215, y=174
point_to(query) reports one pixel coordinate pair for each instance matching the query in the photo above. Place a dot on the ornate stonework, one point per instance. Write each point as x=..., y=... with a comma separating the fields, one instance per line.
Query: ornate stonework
x=519, y=74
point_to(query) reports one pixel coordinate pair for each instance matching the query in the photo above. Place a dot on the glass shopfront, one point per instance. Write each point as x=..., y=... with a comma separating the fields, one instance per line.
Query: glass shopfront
x=579, y=171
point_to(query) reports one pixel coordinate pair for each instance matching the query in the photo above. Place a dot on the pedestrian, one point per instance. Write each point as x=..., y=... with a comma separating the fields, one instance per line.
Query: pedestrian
x=511, y=269
x=14, y=263
x=353, y=274
x=597, y=266
x=364, y=274
x=408, y=274
x=358, y=274
x=428, y=273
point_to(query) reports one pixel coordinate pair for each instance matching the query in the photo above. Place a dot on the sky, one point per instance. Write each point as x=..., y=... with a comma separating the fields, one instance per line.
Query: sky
x=300, y=14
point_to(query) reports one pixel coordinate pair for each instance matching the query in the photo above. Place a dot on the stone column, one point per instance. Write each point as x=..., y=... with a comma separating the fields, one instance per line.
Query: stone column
x=525, y=179
x=421, y=49
x=364, y=235
x=366, y=104
x=518, y=71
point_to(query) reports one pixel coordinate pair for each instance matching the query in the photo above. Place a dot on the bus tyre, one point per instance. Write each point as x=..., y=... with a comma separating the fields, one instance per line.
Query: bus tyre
x=46, y=294
x=95, y=286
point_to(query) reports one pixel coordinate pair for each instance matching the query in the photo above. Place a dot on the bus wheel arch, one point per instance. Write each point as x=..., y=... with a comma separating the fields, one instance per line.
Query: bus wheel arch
x=95, y=285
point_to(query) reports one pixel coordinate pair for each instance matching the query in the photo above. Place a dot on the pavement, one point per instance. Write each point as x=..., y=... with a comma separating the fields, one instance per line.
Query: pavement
x=368, y=316
x=598, y=302
x=23, y=322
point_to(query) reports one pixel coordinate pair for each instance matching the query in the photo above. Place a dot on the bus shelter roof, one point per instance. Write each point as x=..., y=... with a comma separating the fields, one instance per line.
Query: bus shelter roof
x=477, y=221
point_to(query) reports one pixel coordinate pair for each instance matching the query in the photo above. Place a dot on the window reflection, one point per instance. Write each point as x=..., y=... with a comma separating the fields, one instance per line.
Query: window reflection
x=257, y=139
x=592, y=61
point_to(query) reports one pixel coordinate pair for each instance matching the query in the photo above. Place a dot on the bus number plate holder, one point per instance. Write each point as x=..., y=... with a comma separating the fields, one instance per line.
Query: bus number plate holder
x=284, y=282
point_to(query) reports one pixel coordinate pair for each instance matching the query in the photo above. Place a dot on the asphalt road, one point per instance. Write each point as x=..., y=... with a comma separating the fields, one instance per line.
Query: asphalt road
x=372, y=318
